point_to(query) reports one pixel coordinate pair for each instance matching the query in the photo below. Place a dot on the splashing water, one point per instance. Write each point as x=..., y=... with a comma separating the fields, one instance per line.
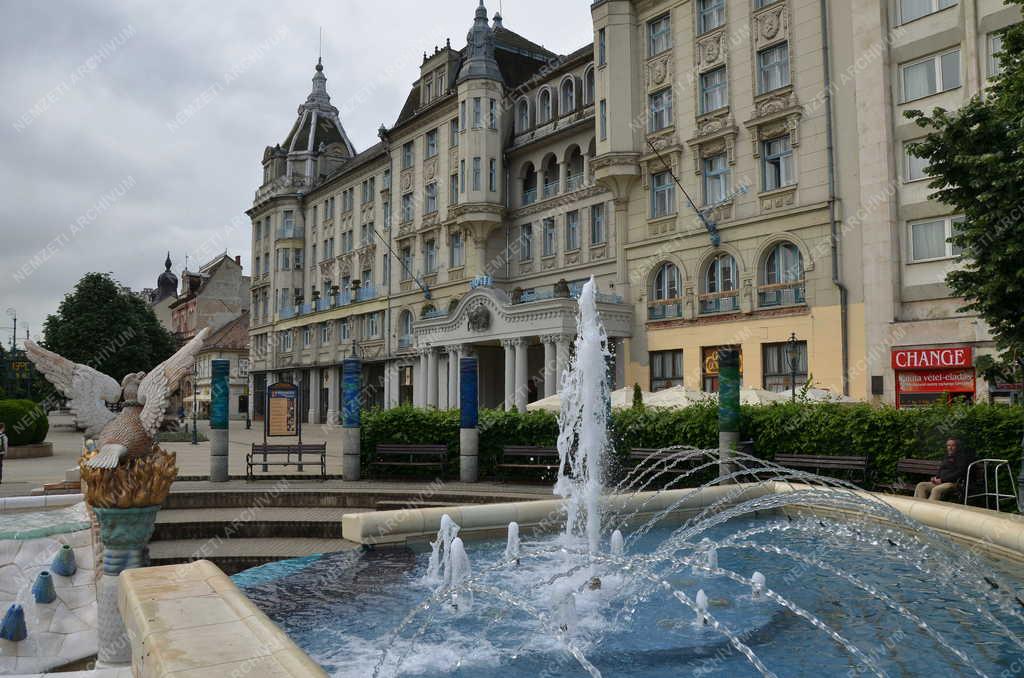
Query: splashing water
x=512, y=545
x=440, y=552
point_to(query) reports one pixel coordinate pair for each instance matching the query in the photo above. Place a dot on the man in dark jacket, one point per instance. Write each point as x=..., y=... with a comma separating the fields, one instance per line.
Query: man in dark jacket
x=951, y=472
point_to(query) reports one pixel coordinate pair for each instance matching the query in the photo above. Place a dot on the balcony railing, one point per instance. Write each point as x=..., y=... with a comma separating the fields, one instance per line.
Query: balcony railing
x=551, y=188
x=435, y=313
x=286, y=231
x=574, y=292
x=529, y=196
x=720, y=302
x=287, y=312
x=665, y=308
x=405, y=341
x=573, y=182
x=784, y=294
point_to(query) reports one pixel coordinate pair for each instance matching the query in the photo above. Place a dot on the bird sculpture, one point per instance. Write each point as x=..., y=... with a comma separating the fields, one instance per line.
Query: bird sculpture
x=143, y=397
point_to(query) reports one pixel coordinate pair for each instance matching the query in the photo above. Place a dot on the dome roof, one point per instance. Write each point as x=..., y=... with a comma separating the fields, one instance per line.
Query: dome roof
x=166, y=282
x=317, y=124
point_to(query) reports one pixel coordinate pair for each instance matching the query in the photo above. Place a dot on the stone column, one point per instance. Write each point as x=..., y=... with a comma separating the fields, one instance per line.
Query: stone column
x=252, y=396
x=522, y=364
x=510, y=373
x=432, y=377
x=550, y=376
x=333, y=396
x=561, y=359
x=443, y=396
x=314, y=394
x=563, y=176
x=420, y=380
x=454, y=354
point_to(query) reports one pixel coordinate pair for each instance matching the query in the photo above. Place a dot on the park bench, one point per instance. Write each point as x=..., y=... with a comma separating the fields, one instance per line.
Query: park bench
x=413, y=456
x=298, y=455
x=519, y=459
x=650, y=461
x=824, y=464
x=925, y=468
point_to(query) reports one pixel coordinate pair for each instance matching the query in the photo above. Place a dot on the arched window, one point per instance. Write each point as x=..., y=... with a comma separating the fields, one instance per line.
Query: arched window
x=666, y=282
x=588, y=87
x=782, y=276
x=405, y=329
x=523, y=116
x=568, y=102
x=544, y=106
x=720, y=283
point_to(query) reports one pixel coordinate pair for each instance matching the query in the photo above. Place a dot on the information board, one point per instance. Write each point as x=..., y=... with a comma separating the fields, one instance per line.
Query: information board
x=282, y=418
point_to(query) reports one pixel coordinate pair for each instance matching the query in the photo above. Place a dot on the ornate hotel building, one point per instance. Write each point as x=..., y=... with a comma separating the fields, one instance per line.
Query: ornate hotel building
x=730, y=172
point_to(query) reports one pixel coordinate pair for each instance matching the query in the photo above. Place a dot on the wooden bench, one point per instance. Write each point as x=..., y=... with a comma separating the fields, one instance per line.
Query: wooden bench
x=823, y=464
x=926, y=468
x=295, y=454
x=409, y=455
x=655, y=461
x=527, y=458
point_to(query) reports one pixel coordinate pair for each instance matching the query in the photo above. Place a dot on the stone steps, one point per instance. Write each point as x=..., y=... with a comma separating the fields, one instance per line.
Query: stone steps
x=235, y=555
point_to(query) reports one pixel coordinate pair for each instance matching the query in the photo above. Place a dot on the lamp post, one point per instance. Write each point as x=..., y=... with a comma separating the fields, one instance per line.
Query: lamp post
x=793, y=356
x=195, y=401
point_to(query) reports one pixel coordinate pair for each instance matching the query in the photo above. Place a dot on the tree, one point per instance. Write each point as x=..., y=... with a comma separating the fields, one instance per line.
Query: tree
x=976, y=160
x=103, y=325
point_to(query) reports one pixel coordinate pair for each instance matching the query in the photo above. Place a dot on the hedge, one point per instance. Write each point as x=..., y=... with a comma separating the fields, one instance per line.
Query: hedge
x=26, y=422
x=883, y=434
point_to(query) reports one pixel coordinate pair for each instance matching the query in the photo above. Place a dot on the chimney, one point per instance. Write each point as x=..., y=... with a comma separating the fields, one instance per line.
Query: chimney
x=238, y=259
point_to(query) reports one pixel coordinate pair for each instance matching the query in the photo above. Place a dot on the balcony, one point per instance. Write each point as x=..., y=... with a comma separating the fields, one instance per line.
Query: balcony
x=435, y=313
x=405, y=341
x=529, y=196
x=551, y=188
x=663, y=309
x=574, y=182
x=286, y=313
x=574, y=291
x=720, y=302
x=783, y=294
x=289, y=231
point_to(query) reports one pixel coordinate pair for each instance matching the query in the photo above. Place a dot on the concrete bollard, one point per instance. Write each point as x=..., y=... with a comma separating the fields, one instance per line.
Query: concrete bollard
x=351, y=405
x=469, y=434
x=220, y=395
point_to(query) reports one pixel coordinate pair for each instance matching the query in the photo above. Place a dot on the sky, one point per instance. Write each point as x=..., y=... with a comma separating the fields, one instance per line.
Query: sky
x=130, y=129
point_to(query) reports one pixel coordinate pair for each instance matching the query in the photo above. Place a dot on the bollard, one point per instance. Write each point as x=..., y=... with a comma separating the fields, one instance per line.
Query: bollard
x=220, y=395
x=469, y=434
x=351, y=433
x=728, y=408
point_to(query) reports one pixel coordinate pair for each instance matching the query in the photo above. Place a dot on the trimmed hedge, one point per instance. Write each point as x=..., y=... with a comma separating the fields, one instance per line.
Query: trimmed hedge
x=883, y=434
x=26, y=422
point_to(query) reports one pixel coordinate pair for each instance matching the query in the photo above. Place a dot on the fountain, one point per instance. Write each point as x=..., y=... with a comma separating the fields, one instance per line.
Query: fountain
x=564, y=604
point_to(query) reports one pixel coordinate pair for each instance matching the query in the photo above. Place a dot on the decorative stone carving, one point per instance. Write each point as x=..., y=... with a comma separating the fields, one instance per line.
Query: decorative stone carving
x=779, y=200
x=406, y=180
x=659, y=72
x=430, y=168
x=775, y=116
x=561, y=289
x=772, y=25
x=712, y=52
x=572, y=258
x=479, y=318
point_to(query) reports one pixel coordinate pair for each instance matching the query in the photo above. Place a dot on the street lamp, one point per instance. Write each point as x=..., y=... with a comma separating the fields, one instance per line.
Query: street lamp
x=793, y=356
x=195, y=401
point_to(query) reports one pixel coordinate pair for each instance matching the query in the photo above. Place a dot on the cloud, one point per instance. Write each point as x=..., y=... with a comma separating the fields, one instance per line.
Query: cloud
x=90, y=89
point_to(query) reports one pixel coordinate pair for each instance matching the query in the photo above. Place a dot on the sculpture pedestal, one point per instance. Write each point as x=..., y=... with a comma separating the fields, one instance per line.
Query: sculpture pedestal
x=125, y=533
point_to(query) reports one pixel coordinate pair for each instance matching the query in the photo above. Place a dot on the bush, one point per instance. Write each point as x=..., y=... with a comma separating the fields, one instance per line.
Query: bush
x=26, y=422
x=883, y=434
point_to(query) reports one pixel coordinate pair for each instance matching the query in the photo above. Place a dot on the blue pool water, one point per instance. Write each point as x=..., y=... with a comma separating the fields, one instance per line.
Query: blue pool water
x=343, y=610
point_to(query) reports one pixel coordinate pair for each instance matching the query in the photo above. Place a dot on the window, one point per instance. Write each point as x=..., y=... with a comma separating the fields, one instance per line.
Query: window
x=462, y=115
x=431, y=198
x=572, y=230
x=428, y=89
x=386, y=207
x=307, y=336
x=476, y=174
x=386, y=179
x=462, y=176
x=568, y=102
x=385, y=270
x=588, y=87
x=405, y=384
x=659, y=35
x=453, y=132
x=914, y=168
x=931, y=75
x=549, y=237
x=456, y=253
x=492, y=175
x=713, y=90
x=777, y=163
x=285, y=259
x=760, y=4
x=348, y=241
x=243, y=367
x=666, y=369
x=407, y=155
x=666, y=283
x=930, y=239
x=598, y=234
x=544, y=106
x=602, y=48
x=526, y=242
x=297, y=258
x=915, y=9
x=663, y=195
x=477, y=112
x=373, y=324
x=430, y=255
x=286, y=340
x=407, y=262
x=325, y=333
x=453, y=189
x=431, y=143
x=603, y=119
x=716, y=179
x=367, y=279
x=522, y=116
x=659, y=110
x=710, y=15
x=784, y=264
x=773, y=68
x=778, y=368
x=719, y=280
x=995, y=46
x=344, y=330
x=366, y=234
x=492, y=114
x=257, y=228
x=406, y=207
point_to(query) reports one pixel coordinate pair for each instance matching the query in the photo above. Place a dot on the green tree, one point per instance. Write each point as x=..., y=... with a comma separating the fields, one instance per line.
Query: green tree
x=976, y=160
x=102, y=325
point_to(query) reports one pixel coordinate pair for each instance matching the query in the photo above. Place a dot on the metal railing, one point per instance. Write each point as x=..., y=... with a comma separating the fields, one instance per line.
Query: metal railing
x=405, y=341
x=551, y=188
x=665, y=308
x=530, y=196
x=722, y=302
x=574, y=182
x=784, y=294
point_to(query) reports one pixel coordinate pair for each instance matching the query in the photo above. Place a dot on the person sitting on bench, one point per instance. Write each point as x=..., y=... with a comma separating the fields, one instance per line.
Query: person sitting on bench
x=952, y=470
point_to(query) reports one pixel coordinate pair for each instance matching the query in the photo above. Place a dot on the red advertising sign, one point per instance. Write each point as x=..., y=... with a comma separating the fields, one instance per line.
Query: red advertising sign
x=936, y=381
x=932, y=358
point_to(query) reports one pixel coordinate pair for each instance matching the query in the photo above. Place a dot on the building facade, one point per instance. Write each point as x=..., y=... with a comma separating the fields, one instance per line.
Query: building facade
x=727, y=171
x=230, y=342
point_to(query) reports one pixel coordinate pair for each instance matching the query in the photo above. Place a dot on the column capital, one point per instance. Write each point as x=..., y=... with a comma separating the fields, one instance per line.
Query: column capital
x=513, y=342
x=424, y=350
x=453, y=348
x=550, y=338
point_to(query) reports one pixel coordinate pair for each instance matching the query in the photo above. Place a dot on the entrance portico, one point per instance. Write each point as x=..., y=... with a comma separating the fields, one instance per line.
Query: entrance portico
x=522, y=348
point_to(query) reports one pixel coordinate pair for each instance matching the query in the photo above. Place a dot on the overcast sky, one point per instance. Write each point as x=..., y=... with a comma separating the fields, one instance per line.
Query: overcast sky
x=129, y=129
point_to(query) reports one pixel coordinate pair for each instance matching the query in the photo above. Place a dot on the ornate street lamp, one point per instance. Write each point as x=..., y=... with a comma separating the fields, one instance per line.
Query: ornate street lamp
x=793, y=356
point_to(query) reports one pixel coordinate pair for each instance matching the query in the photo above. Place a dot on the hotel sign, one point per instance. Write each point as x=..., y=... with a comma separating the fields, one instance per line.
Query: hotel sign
x=932, y=358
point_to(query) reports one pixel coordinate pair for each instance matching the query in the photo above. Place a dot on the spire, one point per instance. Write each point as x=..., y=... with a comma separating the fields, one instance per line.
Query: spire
x=319, y=94
x=167, y=261
x=480, y=62
x=497, y=21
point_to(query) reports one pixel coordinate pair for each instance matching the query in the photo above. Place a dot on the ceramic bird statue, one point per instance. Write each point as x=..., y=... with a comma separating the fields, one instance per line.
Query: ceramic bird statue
x=143, y=397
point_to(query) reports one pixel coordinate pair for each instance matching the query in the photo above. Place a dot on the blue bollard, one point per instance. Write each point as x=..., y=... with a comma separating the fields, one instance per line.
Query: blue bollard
x=13, y=626
x=42, y=589
x=64, y=562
